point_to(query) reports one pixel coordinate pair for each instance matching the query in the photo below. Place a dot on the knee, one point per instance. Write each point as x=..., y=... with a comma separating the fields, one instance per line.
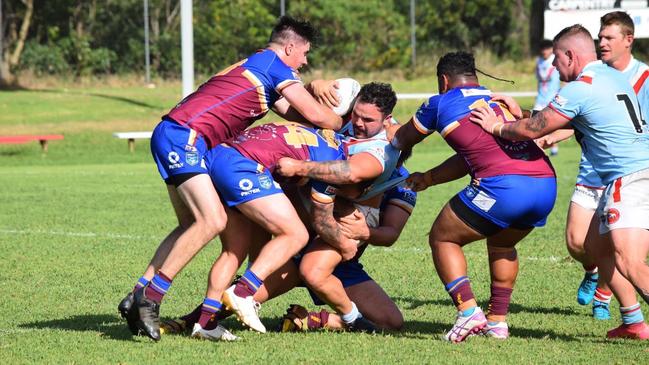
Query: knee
x=393, y=321
x=574, y=243
x=312, y=276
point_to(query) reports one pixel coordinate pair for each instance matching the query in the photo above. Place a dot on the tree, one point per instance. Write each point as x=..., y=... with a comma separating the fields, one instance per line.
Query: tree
x=14, y=25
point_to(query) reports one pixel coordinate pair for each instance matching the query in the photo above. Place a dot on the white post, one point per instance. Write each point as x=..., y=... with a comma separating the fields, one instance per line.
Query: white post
x=187, y=46
x=282, y=7
x=413, y=38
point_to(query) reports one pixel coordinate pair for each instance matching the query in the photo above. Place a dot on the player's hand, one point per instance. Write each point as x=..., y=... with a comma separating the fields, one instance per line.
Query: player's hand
x=348, y=249
x=287, y=166
x=545, y=142
x=324, y=91
x=418, y=181
x=391, y=131
x=512, y=105
x=487, y=119
x=355, y=226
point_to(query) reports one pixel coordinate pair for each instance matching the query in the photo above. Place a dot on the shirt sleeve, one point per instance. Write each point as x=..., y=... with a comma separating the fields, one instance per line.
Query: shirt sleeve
x=282, y=76
x=425, y=119
x=322, y=192
x=570, y=100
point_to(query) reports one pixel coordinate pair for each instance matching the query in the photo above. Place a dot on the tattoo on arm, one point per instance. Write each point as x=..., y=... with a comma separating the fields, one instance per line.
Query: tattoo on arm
x=533, y=125
x=332, y=172
x=324, y=223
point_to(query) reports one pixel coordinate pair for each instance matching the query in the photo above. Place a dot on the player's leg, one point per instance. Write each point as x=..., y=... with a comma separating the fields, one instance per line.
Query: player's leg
x=275, y=214
x=633, y=323
x=447, y=236
x=376, y=305
x=316, y=269
x=200, y=197
x=236, y=239
x=580, y=212
x=503, y=268
x=185, y=219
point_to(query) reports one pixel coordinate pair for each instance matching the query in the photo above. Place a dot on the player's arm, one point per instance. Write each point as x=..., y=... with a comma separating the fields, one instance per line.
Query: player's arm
x=325, y=225
x=555, y=137
x=540, y=124
x=359, y=167
x=298, y=99
x=393, y=220
x=407, y=135
x=453, y=168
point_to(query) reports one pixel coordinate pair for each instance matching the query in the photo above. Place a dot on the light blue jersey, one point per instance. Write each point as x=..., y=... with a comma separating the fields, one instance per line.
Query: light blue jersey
x=547, y=77
x=603, y=110
x=637, y=73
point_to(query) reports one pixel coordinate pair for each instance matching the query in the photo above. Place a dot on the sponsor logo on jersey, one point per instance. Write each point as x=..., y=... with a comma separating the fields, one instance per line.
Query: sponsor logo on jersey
x=560, y=100
x=191, y=158
x=265, y=182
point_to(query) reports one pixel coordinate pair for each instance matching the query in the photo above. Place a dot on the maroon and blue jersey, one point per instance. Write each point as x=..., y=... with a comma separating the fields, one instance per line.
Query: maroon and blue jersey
x=236, y=97
x=486, y=155
x=267, y=143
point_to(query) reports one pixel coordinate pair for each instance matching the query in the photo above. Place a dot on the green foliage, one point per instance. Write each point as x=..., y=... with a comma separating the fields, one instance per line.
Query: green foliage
x=356, y=35
x=44, y=59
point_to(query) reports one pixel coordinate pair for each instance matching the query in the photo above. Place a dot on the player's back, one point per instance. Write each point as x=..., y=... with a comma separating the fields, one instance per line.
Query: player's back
x=268, y=143
x=236, y=97
x=637, y=73
x=486, y=155
x=603, y=109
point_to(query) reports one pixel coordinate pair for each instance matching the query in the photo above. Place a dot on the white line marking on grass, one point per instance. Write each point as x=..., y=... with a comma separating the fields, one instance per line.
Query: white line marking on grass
x=77, y=234
x=414, y=250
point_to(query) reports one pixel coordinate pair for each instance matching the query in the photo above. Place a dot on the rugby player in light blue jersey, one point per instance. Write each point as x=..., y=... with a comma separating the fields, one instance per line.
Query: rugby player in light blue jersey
x=602, y=107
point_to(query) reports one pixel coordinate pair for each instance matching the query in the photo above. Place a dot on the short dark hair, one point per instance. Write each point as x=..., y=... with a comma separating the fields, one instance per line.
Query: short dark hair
x=379, y=94
x=286, y=27
x=572, y=30
x=545, y=44
x=455, y=64
x=621, y=18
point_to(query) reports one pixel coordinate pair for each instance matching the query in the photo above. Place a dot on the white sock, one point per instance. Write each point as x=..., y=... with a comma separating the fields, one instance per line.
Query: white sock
x=351, y=316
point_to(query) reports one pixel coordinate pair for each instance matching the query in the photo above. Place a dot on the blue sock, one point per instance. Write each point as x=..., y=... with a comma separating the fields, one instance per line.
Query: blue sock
x=631, y=314
x=141, y=283
x=468, y=312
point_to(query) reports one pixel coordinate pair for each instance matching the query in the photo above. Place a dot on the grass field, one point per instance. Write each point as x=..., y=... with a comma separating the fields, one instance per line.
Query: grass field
x=78, y=225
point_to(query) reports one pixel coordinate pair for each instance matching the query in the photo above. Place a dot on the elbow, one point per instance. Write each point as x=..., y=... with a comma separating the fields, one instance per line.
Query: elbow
x=327, y=119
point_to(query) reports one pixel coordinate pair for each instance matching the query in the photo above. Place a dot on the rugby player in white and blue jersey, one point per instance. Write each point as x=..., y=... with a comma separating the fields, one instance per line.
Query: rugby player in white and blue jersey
x=602, y=107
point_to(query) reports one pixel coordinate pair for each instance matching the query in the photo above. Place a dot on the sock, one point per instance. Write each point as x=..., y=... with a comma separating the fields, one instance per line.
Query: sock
x=631, y=314
x=317, y=320
x=591, y=269
x=460, y=290
x=499, y=301
x=209, y=309
x=351, y=316
x=158, y=287
x=602, y=296
x=141, y=283
x=469, y=311
x=248, y=285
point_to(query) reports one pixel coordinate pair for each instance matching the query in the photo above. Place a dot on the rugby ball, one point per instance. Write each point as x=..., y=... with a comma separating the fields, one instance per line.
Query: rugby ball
x=347, y=91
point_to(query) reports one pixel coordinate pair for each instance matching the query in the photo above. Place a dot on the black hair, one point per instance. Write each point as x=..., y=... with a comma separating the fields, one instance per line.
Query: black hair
x=455, y=64
x=287, y=27
x=461, y=64
x=379, y=94
x=545, y=44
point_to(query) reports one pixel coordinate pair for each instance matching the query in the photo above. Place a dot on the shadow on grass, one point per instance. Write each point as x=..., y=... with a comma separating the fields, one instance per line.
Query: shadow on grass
x=104, y=96
x=412, y=303
x=109, y=326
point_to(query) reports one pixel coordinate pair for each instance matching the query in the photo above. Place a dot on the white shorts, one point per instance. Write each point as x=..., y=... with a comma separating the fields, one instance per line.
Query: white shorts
x=625, y=203
x=372, y=216
x=587, y=197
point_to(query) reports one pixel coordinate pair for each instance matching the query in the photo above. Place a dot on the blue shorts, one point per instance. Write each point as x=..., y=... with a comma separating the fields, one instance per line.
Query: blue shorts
x=177, y=150
x=349, y=273
x=239, y=179
x=506, y=201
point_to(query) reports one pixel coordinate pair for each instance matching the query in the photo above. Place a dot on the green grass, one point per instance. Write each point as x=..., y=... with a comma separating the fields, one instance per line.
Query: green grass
x=78, y=226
